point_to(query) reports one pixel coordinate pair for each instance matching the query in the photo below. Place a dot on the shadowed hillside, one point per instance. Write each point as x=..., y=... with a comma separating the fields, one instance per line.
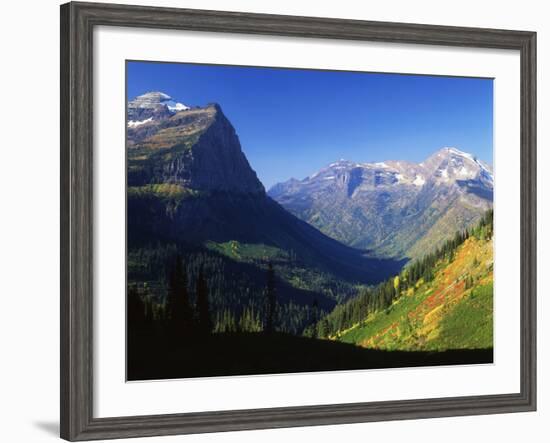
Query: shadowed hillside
x=245, y=354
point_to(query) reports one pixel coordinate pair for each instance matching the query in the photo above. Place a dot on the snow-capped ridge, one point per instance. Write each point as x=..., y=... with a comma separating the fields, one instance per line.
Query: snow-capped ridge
x=341, y=162
x=176, y=107
x=448, y=165
x=365, y=204
x=156, y=99
x=135, y=124
x=473, y=158
x=457, y=151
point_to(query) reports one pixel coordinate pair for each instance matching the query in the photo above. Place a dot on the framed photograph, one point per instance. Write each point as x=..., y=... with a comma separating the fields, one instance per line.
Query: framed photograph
x=273, y=221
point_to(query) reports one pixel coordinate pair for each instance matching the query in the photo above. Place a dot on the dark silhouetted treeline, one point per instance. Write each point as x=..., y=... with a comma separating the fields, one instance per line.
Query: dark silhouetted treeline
x=184, y=313
x=236, y=290
x=176, y=316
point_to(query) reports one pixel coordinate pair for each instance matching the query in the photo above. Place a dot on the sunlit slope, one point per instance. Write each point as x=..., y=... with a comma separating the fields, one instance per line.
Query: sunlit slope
x=453, y=311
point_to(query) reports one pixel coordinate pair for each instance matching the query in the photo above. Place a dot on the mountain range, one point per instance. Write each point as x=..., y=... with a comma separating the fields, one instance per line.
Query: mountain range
x=190, y=183
x=360, y=265
x=192, y=193
x=392, y=208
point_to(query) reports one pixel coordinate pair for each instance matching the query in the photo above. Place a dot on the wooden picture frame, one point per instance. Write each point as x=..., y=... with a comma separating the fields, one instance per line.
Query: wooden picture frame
x=77, y=23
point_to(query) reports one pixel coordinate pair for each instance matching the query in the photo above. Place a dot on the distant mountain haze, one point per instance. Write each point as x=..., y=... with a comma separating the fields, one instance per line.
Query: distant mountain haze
x=392, y=208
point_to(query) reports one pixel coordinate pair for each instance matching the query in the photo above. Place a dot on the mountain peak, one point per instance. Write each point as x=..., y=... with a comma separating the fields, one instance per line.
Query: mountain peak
x=154, y=95
x=149, y=100
x=451, y=163
x=153, y=99
x=202, y=149
x=342, y=163
x=362, y=203
x=449, y=151
x=151, y=106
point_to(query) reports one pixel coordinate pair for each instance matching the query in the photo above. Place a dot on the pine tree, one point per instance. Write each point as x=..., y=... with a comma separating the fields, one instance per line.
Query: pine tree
x=324, y=328
x=270, y=299
x=315, y=319
x=396, y=284
x=135, y=312
x=249, y=321
x=178, y=307
x=204, y=323
x=148, y=317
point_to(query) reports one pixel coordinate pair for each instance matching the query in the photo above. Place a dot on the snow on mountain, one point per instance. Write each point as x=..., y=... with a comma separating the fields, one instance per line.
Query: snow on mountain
x=176, y=107
x=450, y=164
x=392, y=207
x=153, y=104
x=135, y=124
x=419, y=181
x=445, y=167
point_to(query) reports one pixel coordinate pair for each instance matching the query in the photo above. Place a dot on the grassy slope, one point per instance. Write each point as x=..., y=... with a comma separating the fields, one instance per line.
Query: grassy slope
x=444, y=227
x=445, y=313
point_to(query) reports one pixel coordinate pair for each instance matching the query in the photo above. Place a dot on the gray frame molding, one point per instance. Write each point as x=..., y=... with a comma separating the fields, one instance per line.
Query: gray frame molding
x=77, y=24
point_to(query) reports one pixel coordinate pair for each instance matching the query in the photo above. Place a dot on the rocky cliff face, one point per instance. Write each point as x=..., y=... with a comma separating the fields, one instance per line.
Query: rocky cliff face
x=392, y=208
x=197, y=149
x=217, y=162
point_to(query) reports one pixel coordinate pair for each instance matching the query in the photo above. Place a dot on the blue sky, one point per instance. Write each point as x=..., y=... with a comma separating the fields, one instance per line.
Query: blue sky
x=292, y=122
